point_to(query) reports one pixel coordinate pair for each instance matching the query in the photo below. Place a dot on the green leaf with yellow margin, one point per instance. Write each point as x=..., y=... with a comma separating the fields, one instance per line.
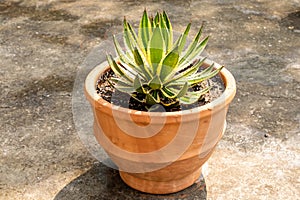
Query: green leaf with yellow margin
x=155, y=47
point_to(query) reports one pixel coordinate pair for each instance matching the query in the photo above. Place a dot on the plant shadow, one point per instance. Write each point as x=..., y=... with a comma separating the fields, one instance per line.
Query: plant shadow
x=102, y=182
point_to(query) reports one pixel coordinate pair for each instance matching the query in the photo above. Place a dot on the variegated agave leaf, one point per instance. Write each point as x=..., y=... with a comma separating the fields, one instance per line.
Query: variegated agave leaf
x=161, y=70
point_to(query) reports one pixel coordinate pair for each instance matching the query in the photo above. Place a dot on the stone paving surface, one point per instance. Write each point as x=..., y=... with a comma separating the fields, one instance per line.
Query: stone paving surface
x=42, y=43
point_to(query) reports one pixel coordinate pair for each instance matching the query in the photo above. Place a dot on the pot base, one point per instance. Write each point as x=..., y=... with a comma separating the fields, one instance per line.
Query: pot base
x=160, y=187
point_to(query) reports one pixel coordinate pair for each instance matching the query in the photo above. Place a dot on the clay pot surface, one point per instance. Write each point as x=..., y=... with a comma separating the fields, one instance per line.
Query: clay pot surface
x=159, y=152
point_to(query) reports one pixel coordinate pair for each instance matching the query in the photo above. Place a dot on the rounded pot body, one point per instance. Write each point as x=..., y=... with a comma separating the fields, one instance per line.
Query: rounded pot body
x=159, y=152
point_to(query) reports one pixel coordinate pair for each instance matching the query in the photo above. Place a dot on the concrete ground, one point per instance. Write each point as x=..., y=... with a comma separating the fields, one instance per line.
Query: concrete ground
x=42, y=44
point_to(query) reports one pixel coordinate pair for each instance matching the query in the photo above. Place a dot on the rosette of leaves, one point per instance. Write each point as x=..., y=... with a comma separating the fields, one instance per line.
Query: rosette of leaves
x=155, y=70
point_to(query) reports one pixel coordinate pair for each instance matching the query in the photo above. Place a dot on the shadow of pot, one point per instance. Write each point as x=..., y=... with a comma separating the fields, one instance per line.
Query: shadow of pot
x=101, y=182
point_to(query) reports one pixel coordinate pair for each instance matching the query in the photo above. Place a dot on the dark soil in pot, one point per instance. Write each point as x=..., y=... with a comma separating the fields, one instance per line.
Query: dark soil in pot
x=110, y=94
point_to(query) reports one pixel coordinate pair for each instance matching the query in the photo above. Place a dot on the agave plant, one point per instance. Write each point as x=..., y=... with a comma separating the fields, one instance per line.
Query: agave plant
x=155, y=70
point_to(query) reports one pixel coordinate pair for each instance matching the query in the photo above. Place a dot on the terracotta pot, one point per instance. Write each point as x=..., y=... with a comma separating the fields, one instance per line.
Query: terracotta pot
x=159, y=152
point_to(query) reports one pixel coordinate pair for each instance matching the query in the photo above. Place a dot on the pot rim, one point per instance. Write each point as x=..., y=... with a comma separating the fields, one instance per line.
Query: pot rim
x=220, y=102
